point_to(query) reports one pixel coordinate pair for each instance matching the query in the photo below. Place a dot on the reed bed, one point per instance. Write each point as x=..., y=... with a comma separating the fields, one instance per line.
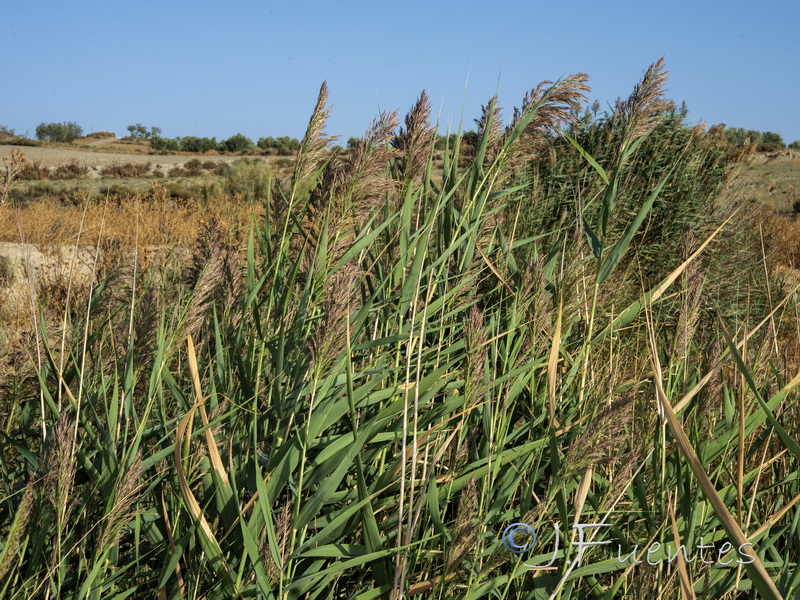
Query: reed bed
x=393, y=364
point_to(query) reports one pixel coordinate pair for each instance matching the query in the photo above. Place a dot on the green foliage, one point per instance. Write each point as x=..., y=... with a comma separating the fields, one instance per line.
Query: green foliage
x=470, y=139
x=766, y=141
x=199, y=145
x=59, y=132
x=248, y=178
x=139, y=131
x=772, y=140
x=282, y=145
x=795, y=145
x=564, y=185
x=739, y=136
x=159, y=143
x=185, y=144
x=443, y=141
x=236, y=143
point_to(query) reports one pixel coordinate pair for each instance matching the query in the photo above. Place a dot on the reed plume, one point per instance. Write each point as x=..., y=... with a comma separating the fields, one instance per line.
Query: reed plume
x=59, y=467
x=466, y=530
x=283, y=529
x=329, y=339
x=16, y=532
x=643, y=109
x=352, y=181
x=206, y=278
x=125, y=495
x=475, y=334
x=491, y=118
x=415, y=141
x=600, y=441
x=314, y=146
x=548, y=106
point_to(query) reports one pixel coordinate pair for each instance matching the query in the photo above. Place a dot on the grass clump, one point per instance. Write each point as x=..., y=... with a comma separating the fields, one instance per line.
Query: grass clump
x=358, y=392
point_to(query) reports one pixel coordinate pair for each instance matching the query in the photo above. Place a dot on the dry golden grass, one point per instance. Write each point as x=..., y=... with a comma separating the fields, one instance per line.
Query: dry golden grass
x=781, y=238
x=145, y=221
x=160, y=231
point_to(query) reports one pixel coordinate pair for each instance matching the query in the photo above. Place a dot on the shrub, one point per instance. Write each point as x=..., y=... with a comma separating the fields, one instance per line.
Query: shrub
x=248, y=178
x=178, y=172
x=59, y=132
x=236, y=143
x=771, y=141
x=21, y=141
x=159, y=143
x=127, y=170
x=100, y=135
x=766, y=141
x=283, y=145
x=193, y=167
x=36, y=190
x=72, y=170
x=795, y=145
x=470, y=138
x=178, y=191
x=199, y=145
x=34, y=171
x=117, y=190
x=443, y=141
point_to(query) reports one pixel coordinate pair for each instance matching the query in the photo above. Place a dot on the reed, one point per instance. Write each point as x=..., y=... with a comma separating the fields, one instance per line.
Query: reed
x=355, y=395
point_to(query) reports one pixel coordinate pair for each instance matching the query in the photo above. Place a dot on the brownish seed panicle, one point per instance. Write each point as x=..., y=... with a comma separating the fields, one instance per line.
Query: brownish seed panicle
x=643, y=109
x=353, y=180
x=206, y=275
x=688, y=317
x=59, y=467
x=283, y=527
x=475, y=334
x=329, y=338
x=314, y=146
x=603, y=437
x=126, y=492
x=491, y=115
x=466, y=530
x=415, y=141
x=18, y=527
x=552, y=105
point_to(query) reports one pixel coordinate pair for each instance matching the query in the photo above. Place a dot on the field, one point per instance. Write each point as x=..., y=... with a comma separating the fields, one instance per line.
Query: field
x=557, y=361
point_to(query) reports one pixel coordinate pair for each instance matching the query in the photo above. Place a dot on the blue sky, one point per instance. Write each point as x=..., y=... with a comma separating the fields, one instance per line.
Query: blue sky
x=216, y=69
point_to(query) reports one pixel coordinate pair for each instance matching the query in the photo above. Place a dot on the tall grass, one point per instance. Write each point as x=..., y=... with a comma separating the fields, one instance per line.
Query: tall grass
x=398, y=364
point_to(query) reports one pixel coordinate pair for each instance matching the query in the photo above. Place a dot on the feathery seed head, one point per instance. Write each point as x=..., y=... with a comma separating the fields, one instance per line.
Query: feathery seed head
x=314, y=146
x=644, y=108
x=415, y=141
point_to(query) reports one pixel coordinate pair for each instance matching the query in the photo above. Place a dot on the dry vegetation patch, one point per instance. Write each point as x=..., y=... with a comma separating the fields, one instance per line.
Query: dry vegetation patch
x=144, y=220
